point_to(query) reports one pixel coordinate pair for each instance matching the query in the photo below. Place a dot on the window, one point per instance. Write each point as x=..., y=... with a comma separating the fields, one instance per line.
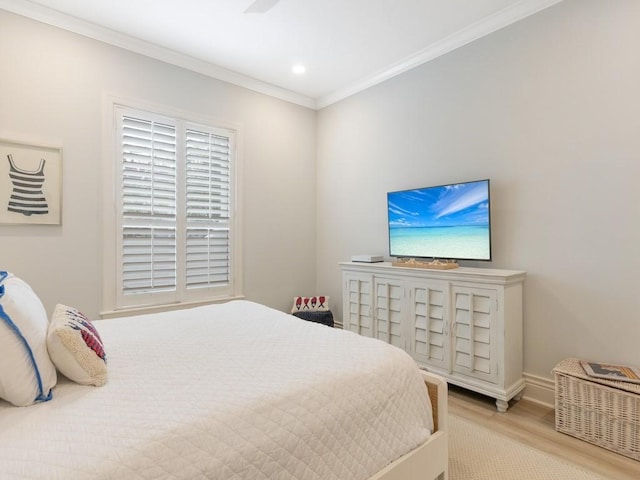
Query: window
x=174, y=196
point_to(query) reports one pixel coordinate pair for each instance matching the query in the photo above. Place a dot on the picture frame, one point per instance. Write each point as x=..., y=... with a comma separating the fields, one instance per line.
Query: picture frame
x=30, y=184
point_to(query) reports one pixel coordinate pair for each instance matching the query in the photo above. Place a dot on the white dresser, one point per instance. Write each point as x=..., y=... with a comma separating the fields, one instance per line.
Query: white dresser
x=464, y=323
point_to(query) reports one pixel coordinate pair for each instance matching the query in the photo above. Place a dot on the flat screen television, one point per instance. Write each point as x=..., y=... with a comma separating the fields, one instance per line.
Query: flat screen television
x=445, y=222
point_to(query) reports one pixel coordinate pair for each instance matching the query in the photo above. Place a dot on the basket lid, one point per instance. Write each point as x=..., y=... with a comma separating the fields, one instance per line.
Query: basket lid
x=572, y=367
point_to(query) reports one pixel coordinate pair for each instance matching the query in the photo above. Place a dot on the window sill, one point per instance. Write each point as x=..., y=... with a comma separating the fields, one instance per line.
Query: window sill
x=129, y=311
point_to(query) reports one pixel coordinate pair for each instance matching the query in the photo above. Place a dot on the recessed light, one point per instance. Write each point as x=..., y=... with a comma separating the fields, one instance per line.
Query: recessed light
x=299, y=69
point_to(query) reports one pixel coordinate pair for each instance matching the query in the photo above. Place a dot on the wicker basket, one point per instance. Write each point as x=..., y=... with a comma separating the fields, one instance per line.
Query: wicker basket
x=603, y=412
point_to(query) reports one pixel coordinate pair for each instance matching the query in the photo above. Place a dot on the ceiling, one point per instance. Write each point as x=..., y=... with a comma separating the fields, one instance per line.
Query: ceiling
x=345, y=45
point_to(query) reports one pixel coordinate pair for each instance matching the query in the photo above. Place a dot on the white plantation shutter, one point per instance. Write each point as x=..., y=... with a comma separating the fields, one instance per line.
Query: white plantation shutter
x=208, y=203
x=175, y=210
x=148, y=206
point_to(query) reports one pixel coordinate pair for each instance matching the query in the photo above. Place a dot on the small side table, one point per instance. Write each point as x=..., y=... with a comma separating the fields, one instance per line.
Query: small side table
x=325, y=316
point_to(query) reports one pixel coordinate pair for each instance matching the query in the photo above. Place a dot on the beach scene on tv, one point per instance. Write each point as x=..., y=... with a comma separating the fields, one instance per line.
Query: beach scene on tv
x=443, y=222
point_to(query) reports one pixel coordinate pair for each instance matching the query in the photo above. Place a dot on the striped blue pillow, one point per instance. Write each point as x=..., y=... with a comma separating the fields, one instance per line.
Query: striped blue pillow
x=27, y=374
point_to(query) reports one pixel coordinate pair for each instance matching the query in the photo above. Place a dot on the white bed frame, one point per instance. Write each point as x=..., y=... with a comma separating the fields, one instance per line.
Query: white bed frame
x=431, y=459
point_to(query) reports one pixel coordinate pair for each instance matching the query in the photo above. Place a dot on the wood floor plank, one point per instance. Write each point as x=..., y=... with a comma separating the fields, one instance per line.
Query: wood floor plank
x=534, y=424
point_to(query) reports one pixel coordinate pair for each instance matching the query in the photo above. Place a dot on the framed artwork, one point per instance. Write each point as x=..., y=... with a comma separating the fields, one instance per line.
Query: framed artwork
x=30, y=184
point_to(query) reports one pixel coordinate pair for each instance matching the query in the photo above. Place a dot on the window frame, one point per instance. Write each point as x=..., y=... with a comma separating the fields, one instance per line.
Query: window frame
x=114, y=302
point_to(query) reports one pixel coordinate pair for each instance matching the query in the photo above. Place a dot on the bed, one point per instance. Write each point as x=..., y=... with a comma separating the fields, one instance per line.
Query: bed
x=234, y=391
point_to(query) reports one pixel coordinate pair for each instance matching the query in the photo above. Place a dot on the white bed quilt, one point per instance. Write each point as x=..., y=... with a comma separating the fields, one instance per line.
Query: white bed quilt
x=232, y=391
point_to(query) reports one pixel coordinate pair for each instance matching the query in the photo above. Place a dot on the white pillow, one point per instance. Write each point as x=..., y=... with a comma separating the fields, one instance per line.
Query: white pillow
x=310, y=304
x=76, y=347
x=27, y=374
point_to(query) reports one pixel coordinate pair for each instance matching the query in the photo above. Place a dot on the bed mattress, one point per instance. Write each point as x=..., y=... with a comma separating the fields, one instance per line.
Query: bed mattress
x=231, y=391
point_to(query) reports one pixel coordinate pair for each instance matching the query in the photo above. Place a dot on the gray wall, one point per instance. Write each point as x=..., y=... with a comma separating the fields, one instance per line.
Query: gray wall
x=548, y=109
x=51, y=92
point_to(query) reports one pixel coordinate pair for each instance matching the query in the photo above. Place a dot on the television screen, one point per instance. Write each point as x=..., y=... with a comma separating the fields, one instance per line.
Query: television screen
x=451, y=222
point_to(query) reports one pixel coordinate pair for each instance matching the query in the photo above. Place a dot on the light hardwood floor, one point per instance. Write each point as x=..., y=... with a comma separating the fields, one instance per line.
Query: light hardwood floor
x=534, y=424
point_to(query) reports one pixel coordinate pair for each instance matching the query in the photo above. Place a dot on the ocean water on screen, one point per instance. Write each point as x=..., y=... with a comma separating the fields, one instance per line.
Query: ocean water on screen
x=470, y=242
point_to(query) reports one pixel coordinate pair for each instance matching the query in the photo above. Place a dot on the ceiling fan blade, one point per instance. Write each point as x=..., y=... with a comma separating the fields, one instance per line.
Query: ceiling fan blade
x=261, y=6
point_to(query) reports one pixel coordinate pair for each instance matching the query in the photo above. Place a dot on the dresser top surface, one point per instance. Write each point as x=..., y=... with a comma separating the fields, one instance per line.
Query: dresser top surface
x=459, y=272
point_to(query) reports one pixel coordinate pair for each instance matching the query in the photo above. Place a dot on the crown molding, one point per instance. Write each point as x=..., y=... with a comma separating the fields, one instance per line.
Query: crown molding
x=473, y=32
x=463, y=37
x=87, y=29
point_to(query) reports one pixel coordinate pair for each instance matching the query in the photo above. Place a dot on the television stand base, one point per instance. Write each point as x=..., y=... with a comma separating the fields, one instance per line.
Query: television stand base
x=434, y=265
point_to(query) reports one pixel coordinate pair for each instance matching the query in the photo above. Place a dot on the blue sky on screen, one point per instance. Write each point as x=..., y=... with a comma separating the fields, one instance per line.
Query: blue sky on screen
x=448, y=205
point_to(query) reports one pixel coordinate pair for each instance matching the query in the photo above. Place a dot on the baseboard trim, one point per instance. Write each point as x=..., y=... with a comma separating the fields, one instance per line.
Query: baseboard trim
x=539, y=390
